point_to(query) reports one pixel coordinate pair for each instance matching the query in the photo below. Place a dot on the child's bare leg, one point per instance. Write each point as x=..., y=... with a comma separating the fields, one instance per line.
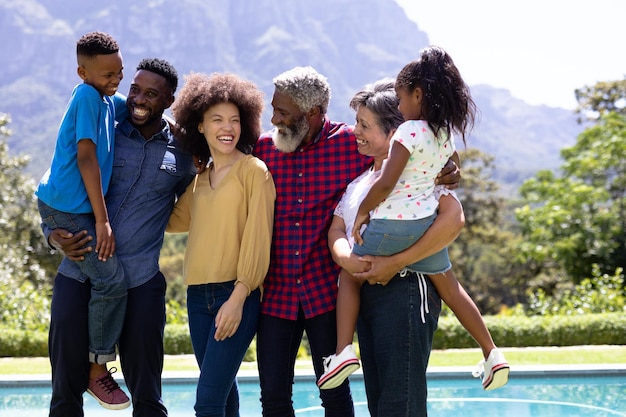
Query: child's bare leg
x=454, y=295
x=344, y=362
x=348, y=304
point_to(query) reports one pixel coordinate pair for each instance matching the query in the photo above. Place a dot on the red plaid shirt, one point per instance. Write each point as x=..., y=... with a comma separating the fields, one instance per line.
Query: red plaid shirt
x=309, y=183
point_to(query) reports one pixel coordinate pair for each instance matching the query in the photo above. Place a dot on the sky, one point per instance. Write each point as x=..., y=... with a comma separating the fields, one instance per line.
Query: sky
x=539, y=50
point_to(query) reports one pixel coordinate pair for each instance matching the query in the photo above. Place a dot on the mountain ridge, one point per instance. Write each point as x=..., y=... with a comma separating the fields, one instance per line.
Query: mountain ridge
x=352, y=42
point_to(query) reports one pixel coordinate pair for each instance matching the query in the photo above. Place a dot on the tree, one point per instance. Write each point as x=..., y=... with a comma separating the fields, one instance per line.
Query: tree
x=577, y=220
x=25, y=259
x=604, y=97
x=481, y=255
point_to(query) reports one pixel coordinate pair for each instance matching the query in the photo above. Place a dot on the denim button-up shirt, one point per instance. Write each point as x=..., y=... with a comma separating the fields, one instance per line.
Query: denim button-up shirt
x=148, y=176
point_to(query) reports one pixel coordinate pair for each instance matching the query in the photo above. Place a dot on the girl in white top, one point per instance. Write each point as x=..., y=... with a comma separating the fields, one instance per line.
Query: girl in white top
x=401, y=204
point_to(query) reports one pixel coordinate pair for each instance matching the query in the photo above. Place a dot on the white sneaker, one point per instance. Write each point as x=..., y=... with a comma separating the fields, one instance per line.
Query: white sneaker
x=495, y=370
x=338, y=367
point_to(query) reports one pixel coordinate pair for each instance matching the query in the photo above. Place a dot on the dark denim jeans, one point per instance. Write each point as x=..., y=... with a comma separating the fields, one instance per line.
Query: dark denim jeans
x=278, y=341
x=217, y=393
x=395, y=329
x=141, y=346
x=107, y=304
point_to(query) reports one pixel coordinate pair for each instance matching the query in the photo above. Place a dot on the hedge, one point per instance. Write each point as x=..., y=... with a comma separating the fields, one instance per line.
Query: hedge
x=507, y=331
x=523, y=331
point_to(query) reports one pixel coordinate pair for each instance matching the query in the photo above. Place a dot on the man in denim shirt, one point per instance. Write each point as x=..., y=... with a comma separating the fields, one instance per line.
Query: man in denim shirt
x=149, y=172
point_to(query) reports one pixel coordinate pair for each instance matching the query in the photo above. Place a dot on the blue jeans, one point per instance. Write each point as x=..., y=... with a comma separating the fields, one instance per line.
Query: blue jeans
x=107, y=304
x=141, y=346
x=277, y=342
x=395, y=329
x=387, y=237
x=217, y=393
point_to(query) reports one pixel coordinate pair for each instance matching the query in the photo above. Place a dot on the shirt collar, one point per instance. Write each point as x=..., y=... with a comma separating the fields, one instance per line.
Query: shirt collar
x=324, y=132
x=131, y=131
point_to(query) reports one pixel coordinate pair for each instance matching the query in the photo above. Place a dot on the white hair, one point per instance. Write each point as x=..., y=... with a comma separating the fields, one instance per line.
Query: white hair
x=306, y=87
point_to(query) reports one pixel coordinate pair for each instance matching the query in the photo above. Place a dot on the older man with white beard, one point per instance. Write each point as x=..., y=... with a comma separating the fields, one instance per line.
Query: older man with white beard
x=312, y=159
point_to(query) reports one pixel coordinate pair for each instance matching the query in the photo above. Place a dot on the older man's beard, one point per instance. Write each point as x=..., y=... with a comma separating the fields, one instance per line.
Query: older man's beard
x=292, y=136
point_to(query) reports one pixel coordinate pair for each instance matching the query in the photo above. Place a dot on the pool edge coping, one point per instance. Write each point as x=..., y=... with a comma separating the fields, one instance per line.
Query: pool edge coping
x=433, y=373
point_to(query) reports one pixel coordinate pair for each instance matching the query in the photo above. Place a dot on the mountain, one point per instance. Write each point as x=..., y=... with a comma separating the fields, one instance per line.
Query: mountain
x=352, y=42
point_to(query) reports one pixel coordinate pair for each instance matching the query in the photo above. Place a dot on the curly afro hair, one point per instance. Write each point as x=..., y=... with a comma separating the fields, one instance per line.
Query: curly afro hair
x=202, y=91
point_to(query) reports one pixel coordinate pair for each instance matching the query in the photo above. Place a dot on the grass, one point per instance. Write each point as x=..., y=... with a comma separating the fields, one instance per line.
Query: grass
x=574, y=355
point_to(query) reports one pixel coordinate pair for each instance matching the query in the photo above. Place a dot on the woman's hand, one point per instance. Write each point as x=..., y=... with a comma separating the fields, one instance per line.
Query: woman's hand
x=381, y=269
x=354, y=264
x=229, y=315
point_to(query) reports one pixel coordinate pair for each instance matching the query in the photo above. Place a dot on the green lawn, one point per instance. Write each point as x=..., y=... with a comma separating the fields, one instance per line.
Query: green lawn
x=575, y=355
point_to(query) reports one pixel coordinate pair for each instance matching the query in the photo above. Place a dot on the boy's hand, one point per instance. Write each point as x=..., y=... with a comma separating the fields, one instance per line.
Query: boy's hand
x=105, y=242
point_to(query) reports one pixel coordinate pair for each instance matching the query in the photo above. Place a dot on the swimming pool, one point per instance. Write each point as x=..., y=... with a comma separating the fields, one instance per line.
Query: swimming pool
x=531, y=392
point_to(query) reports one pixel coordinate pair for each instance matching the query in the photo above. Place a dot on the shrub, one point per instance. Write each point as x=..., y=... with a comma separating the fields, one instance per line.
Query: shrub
x=507, y=331
x=177, y=340
x=521, y=331
x=23, y=343
x=599, y=294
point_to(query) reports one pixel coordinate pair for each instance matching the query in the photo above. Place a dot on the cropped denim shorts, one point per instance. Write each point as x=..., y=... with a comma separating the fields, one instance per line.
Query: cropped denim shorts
x=384, y=237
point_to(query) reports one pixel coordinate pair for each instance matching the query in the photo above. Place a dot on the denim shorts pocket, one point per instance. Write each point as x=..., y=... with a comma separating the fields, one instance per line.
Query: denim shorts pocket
x=391, y=244
x=383, y=237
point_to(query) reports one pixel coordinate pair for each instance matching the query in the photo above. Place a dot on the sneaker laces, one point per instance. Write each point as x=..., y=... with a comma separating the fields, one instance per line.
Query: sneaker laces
x=480, y=369
x=326, y=362
x=107, y=382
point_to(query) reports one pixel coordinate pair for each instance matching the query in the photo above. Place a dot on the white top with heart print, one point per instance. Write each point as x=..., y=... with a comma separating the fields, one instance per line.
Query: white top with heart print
x=412, y=197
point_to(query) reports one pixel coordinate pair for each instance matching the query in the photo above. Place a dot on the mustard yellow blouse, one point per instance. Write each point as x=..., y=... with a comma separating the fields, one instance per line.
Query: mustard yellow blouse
x=230, y=227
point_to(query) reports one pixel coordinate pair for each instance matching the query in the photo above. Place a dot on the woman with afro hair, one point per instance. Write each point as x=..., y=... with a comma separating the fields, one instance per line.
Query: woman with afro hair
x=228, y=211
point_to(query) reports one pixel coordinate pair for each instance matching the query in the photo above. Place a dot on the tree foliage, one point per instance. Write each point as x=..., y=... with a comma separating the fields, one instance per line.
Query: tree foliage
x=26, y=262
x=576, y=220
x=171, y=263
x=601, y=98
x=19, y=218
x=481, y=254
x=601, y=293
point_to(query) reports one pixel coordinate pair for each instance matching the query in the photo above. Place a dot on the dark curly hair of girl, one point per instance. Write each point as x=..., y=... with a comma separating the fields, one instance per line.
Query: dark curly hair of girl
x=447, y=103
x=202, y=91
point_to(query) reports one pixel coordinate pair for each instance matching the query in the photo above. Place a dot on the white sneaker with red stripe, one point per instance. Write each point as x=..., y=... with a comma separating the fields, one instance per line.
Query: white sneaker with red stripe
x=338, y=367
x=495, y=370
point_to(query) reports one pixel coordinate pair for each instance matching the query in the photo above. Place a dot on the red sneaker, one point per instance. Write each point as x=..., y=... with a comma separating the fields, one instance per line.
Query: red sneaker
x=106, y=391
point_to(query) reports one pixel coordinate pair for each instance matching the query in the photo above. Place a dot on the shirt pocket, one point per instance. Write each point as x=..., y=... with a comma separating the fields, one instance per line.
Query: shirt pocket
x=169, y=174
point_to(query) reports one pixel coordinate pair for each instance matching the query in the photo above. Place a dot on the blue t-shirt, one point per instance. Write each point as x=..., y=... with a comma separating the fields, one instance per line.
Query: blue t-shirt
x=88, y=116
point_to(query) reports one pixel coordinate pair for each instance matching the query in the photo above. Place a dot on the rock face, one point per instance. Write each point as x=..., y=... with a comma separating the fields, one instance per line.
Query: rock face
x=352, y=42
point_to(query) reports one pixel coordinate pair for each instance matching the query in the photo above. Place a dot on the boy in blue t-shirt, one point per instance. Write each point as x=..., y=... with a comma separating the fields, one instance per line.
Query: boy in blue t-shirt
x=71, y=196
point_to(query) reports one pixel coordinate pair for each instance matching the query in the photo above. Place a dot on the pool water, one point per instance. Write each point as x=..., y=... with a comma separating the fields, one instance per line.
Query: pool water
x=586, y=394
